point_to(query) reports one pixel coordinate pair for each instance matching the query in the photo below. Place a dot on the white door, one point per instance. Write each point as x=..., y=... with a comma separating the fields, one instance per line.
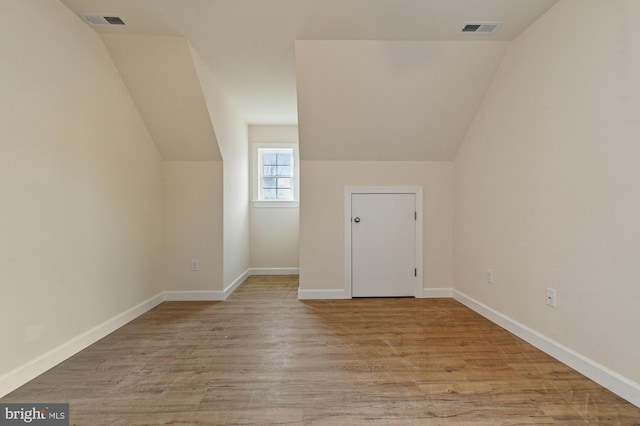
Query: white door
x=383, y=245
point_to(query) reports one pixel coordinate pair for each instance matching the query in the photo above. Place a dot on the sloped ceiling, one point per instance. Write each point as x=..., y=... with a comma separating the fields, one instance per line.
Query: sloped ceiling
x=390, y=100
x=161, y=77
x=249, y=44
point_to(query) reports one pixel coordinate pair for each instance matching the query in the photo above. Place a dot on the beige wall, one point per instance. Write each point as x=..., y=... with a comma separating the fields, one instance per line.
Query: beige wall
x=547, y=183
x=193, y=225
x=232, y=134
x=80, y=184
x=160, y=75
x=381, y=100
x=164, y=85
x=274, y=230
x=322, y=216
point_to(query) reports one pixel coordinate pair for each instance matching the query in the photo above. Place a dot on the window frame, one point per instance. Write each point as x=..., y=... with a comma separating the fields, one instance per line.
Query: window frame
x=258, y=149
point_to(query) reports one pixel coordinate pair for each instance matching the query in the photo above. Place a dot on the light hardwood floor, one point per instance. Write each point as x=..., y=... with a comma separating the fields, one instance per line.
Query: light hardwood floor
x=263, y=357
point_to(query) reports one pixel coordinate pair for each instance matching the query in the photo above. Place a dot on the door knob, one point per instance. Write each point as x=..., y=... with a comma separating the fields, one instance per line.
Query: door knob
x=356, y=220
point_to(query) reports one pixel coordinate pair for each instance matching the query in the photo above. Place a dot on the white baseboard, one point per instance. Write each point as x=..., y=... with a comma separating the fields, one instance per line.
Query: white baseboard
x=193, y=296
x=32, y=369
x=436, y=293
x=274, y=271
x=204, y=295
x=321, y=294
x=177, y=296
x=616, y=383
x=236, y=283
x=341, y=293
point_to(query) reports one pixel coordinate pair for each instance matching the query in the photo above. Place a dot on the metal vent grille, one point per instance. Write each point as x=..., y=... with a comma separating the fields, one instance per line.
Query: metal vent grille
x=103, y=19
x=480, y=27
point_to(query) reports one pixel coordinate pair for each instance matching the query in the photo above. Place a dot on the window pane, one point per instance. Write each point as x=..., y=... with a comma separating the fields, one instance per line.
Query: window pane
x=270, y=159
x=269, y=170
x=269, y=194
x=284, y=159
x=284, y=171
x=284, y=183
x=284, y=194
x=269, y=182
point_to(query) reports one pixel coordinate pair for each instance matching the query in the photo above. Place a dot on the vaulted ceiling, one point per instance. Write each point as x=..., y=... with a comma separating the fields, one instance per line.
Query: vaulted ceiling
x=421, y=79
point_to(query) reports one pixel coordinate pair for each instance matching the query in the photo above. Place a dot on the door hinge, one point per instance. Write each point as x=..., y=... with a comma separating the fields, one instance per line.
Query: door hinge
x=415, y=272
x=415, y=215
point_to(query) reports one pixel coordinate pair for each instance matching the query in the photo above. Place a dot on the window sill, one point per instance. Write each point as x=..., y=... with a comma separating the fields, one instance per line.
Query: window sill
x=276, y=204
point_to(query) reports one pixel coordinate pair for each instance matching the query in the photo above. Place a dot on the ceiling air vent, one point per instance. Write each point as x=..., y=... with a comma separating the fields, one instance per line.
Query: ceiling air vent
x=480, y=27
x=103, y=19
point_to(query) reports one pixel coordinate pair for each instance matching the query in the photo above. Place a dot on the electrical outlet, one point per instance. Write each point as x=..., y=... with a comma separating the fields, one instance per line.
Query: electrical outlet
x=551, y=297
x=490, y=276
x=195, y=265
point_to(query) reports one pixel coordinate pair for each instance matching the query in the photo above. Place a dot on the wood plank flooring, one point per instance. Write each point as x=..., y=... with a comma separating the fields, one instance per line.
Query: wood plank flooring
x=263, y=357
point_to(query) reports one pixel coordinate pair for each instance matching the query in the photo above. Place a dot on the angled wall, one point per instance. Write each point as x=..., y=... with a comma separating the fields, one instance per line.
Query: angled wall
x=162, y=80
x=367, y=100
x=161, y=77
x=546, y=184
x=232, y=135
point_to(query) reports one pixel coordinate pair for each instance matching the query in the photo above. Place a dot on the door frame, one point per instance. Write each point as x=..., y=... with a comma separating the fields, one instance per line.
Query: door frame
x=348, y=192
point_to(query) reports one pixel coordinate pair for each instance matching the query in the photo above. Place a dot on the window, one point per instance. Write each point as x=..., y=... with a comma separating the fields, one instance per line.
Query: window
x=275, y=182
x=276, y=174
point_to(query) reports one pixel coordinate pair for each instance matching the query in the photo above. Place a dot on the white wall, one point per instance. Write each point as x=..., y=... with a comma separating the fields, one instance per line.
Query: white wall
x=232, y=134
x=193, y=225
x=547, y=183
x=80, y=183
x=275, y=231
x=322, y=216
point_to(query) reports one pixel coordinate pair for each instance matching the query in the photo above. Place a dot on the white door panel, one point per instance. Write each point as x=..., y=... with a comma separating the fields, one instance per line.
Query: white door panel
x=383, y=246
